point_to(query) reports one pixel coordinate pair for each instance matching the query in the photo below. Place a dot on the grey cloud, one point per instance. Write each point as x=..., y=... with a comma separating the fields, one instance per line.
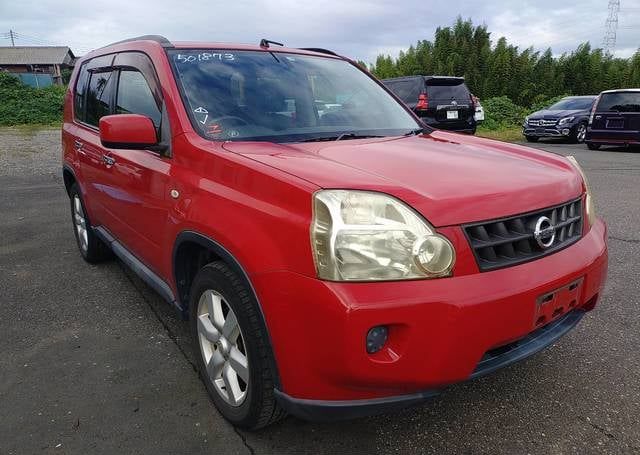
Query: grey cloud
x=359, y=28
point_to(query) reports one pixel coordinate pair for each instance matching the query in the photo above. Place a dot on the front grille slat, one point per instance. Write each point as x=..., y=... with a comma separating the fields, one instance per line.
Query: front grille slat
x=541, y=122
x=511, y=241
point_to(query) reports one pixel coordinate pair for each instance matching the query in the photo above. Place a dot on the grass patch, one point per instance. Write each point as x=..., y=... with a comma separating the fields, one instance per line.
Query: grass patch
x=505, y=134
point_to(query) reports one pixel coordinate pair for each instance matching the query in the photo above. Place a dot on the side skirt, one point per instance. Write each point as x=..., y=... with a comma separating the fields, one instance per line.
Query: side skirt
x=144, y=272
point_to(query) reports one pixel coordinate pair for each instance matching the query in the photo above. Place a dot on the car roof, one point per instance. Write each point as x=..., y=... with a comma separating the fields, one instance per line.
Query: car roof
x=619, y=90
x=141, y=42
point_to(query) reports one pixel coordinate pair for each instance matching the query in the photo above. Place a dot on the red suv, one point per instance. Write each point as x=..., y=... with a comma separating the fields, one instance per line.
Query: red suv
x=334, y=259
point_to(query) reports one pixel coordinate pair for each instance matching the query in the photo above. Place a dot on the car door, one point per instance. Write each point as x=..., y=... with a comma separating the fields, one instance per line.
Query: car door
x=139, y=202
x=95, y=91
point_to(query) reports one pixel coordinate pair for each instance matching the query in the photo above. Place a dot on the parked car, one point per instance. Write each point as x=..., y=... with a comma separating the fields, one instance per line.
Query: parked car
x=441, y=102
x=565, y=119
x=479, y=115
x=615, y=119
x=331, y=265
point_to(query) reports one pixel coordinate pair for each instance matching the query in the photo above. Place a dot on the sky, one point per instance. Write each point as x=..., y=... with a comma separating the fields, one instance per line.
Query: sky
x=360, y=29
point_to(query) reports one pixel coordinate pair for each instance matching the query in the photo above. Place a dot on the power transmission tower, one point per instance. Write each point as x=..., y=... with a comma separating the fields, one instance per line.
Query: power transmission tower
x=611, y=27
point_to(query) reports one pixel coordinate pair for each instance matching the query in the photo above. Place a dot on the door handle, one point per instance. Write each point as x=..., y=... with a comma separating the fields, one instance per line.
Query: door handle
x=78, y=146
x=109, y=161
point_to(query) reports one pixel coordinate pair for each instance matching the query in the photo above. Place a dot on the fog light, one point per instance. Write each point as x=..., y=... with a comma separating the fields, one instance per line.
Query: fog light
x=376, y=338
x=566, y=131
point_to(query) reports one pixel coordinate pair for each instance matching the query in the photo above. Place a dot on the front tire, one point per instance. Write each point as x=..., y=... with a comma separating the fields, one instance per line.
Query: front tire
x=532, y=138
x=92, y=249
x=592, y=146
x=232, y=347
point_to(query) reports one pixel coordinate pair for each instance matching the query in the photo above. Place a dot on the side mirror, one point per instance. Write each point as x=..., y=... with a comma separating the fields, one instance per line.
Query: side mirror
x=128, y=131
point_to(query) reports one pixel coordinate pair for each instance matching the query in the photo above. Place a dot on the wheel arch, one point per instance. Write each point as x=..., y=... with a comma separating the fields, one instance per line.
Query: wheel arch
x=191, y=251
x=69, y=178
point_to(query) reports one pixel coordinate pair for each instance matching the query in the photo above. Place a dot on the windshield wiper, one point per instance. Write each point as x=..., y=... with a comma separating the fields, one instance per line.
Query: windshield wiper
x=341, y=137
x=355, y=136
x=414, y=132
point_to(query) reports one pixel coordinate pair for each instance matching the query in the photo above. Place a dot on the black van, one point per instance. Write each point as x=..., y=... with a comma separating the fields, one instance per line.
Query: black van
x=442, y=102
x=615, y=119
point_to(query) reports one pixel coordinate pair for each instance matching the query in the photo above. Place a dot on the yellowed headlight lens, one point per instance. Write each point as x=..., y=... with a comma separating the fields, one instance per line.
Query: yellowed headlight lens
x=590, y=206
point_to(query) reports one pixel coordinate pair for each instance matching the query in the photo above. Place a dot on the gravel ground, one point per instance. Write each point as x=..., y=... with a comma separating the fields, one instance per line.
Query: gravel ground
x=29, y=151
x=93, y=361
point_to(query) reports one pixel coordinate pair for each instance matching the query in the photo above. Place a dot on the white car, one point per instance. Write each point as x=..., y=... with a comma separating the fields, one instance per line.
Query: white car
x=479, y=115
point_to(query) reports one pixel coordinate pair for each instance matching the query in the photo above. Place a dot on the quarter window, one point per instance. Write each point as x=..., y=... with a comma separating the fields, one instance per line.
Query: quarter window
x=135, y=97
x=98, y=96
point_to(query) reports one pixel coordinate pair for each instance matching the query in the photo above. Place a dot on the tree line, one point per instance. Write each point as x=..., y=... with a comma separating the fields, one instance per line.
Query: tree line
x=525, y=76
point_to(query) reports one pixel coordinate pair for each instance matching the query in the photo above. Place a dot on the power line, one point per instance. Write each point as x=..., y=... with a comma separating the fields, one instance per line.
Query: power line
x=611, y=27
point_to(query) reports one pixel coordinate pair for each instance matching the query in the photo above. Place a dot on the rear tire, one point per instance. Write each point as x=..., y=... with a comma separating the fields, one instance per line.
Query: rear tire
x=592, y=146
x=532, y=138
x=232, y=348
x=92, y=249
x=579, y=133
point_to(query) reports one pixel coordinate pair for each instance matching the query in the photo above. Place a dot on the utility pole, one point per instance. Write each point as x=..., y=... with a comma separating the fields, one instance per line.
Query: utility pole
x=12, y=36
x=611, y=27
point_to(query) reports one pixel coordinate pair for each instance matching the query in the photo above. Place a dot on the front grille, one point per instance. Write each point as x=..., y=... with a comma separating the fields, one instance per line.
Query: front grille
x=541, y=122
x=510, y=241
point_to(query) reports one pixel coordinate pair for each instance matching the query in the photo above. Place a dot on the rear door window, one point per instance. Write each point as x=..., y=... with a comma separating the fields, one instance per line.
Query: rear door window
x=99, y=96
x=620, y=102
x=135, y=97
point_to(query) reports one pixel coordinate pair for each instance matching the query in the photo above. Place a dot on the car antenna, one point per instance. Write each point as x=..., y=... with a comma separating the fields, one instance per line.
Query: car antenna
x=265, y=43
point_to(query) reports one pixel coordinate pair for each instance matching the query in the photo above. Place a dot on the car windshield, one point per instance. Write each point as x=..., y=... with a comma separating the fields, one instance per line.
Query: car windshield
x=572, y=104
x=620, y=101
x=284, y=97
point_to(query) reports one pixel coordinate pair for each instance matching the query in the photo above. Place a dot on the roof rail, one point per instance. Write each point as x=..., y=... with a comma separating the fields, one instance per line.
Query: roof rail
x=164, y=42
x=319, y=50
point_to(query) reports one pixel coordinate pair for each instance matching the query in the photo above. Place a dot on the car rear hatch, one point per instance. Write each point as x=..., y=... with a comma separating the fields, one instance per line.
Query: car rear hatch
x=450, y=103
x=408, y=89
x=617, y=118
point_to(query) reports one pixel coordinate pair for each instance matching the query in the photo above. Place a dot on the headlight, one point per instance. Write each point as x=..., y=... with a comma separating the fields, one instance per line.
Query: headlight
x=526, y=120
x=565, y=120
x=367, y=236
x=590, y=207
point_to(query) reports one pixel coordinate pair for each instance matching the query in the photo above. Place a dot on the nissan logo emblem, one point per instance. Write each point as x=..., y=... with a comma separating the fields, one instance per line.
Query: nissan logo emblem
x=545, y=232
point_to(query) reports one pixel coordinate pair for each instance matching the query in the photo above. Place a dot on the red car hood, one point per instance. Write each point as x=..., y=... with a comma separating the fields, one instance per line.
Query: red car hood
x=449, y=178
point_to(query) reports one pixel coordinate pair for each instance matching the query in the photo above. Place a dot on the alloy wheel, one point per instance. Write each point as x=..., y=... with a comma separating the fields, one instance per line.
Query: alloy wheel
x=222, y=347
x=581, y=133
x=80, y=223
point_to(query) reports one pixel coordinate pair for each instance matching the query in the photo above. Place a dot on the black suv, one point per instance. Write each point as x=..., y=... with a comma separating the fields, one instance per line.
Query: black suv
x=565, y=119
x=442, y=102
x=615, y=119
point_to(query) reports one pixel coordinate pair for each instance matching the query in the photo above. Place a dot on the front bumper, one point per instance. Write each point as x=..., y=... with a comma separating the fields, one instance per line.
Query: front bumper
x=440, y=331
x=548, y=131
x=327, y=410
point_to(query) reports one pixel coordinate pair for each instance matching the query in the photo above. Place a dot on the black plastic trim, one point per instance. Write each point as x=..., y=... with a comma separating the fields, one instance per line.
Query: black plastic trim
x=531, y=344
x=68, y=168
x=326, y=410
x=158, y=148
x=319, y=50
x=161, y=40
x=135, y=264
x=509, y=262
x=225, y=255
